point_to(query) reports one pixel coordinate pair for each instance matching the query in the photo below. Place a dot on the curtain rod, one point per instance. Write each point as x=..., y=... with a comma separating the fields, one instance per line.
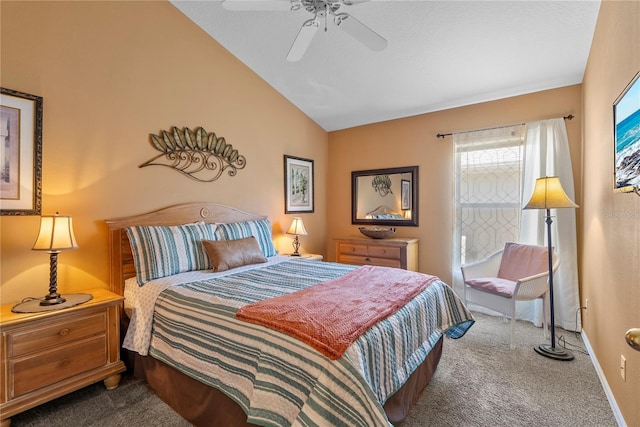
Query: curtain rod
x=442, y=135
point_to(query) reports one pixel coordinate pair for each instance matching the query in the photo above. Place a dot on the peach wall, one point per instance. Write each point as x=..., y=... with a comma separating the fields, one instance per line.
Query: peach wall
x=110, y=74
x=412, y=141
x=113, y=72
x=611, y=226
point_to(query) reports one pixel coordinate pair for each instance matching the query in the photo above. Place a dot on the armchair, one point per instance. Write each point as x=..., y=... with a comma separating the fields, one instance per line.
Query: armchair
x=516, y=273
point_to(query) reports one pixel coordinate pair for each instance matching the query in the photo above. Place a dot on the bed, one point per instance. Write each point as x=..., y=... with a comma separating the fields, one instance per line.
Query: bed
x=183, y=336
x=384, y=212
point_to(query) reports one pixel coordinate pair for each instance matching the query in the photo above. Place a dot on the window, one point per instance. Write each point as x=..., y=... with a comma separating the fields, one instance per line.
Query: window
x=487, y=192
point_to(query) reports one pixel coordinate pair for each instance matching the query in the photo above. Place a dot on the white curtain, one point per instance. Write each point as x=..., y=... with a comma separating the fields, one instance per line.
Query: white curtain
x=547, y=154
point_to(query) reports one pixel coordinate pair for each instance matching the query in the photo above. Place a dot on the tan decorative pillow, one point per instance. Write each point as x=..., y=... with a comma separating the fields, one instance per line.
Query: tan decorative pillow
x=228, y=254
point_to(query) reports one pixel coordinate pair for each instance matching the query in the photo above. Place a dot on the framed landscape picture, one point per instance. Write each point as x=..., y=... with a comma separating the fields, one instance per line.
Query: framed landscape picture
x=626, y=131
x=20, y=153
x=298, y=184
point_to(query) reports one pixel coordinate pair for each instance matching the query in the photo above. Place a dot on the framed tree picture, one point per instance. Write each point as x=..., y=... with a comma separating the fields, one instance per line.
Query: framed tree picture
x=298, y=185
x=20, y=153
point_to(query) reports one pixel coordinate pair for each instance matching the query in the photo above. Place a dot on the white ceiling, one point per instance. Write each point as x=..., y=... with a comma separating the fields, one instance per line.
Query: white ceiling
x=440, y=54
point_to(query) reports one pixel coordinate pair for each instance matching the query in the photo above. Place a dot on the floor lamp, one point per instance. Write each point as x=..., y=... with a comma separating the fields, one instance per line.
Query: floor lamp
x=548, y=194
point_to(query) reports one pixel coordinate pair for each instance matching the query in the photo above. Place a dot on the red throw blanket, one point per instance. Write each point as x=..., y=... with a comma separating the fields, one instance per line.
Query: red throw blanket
x=331, y=315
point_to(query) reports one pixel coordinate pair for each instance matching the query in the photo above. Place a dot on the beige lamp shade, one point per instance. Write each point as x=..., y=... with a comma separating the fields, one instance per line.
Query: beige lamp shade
x=297, y=227
x=549, y=194
x=56, y=234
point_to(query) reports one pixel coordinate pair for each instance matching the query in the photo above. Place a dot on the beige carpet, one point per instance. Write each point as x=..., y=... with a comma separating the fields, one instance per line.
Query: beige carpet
x=479, y=382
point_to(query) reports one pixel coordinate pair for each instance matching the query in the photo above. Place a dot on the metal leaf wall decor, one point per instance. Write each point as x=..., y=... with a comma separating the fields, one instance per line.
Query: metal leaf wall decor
x=197, y=154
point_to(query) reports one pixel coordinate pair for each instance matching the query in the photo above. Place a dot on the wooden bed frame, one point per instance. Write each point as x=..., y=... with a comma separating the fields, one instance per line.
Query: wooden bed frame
x=196, y=402
x=121, y=265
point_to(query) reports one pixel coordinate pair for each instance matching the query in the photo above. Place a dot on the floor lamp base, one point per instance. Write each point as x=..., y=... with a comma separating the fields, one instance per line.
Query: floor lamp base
x=553, y=352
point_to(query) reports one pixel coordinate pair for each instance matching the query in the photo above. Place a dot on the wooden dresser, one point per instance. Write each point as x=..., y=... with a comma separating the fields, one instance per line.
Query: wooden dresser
x=400, y=252
x=46, y=355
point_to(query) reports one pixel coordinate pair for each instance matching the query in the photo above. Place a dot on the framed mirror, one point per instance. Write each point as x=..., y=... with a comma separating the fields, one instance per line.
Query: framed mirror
x=385, y=196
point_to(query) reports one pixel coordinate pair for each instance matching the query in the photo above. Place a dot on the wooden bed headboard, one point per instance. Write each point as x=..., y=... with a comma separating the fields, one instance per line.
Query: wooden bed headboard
x=121, y=265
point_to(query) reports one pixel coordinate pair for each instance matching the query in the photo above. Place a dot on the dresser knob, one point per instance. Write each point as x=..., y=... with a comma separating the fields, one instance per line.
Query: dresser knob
x=65, y=362
x=64, y=332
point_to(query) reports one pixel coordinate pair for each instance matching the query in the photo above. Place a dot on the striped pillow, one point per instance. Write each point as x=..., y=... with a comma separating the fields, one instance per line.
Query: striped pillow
x=160, y=251
x=260, y=229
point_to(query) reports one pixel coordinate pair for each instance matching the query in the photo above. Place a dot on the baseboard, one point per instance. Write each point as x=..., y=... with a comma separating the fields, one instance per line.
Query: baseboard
x=603, y=381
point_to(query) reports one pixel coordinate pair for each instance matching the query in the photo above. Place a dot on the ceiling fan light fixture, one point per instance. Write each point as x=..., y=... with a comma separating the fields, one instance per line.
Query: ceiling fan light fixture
x=321, y=9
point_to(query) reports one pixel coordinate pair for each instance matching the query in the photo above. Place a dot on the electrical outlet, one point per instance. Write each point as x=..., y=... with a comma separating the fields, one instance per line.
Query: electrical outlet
x=623, y=368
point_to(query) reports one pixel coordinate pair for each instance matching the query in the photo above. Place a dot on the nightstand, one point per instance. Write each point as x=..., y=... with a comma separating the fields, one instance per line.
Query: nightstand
x=314, y=257
x=49, y=354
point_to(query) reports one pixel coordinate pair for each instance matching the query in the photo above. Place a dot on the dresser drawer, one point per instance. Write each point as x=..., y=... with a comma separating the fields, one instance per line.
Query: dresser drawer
x=23, y=341
x=384, y=252
x=351, y=249
x=56, y=364
x=366, y=260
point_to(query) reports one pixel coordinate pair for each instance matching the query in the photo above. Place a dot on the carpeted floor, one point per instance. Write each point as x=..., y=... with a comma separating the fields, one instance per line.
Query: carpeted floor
x=479, y=382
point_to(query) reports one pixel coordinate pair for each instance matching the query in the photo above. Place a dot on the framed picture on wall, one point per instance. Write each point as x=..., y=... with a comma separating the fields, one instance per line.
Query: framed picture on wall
x=405, y=202
x=298, y=185
x=20, y=153
x=626, y=131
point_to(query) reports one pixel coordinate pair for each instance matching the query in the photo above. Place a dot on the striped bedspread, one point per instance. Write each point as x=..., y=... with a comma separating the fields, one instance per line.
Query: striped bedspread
x=280, y=381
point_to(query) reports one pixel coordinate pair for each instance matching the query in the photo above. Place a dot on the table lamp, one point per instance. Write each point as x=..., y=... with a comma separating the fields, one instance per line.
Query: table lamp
x=296, y=229
x=55, y=236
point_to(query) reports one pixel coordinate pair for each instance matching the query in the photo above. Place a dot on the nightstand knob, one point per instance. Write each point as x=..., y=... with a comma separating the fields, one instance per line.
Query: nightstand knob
x=64, y=332
x=65, y=362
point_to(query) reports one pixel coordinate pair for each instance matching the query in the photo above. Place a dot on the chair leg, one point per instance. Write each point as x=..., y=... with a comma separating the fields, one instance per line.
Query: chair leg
x=513, y=331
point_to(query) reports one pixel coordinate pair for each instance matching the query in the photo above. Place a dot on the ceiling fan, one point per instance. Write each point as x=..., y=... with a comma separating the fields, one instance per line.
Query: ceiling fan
x=322, y=11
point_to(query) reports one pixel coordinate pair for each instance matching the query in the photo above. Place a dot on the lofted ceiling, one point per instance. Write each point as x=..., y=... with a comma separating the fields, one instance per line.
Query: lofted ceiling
x=440, y=54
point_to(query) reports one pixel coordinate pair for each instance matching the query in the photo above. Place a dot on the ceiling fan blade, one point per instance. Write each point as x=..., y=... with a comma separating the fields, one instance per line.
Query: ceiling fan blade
x=360, y=32
x=303, y=40
x=257, y=5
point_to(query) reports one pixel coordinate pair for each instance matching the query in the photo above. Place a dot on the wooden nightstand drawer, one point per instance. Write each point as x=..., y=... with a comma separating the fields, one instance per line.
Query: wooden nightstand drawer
x=45, y=368
x=25, y=340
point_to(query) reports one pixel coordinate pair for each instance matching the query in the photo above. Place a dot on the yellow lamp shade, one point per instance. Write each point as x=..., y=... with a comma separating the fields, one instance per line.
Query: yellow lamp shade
x=297, y=227
x=549, y=194
x=56, y=234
